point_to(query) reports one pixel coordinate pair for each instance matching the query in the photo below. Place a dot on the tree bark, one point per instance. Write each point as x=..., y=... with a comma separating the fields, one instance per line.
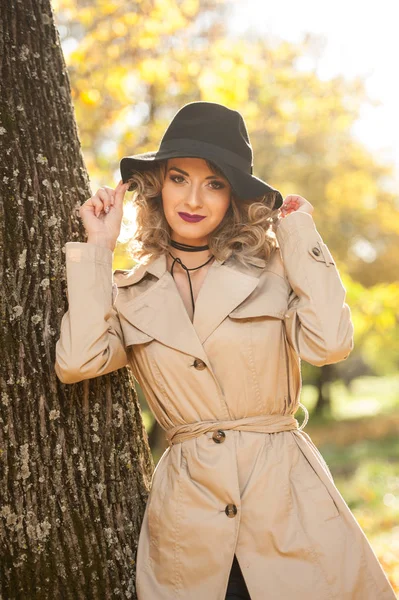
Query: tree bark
x=75, y=465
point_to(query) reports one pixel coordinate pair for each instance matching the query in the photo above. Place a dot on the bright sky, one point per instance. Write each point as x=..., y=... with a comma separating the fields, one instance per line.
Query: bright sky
x=361, y=39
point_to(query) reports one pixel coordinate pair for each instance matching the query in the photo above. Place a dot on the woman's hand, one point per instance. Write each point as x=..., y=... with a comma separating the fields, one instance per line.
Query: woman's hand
x=294, y=203
x=102, y=215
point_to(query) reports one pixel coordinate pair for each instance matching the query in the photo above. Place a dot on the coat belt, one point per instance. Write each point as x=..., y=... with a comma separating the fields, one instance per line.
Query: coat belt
x=259, y=423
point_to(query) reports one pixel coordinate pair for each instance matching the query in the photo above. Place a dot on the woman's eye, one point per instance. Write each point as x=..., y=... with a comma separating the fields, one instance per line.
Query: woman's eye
x=218, y=183
x=174, y=177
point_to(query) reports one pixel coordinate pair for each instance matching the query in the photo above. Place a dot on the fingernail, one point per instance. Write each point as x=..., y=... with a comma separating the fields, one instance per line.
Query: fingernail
x=107, y=209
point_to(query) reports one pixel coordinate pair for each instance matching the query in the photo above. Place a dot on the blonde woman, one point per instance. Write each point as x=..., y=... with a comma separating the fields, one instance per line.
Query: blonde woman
x=233, y=287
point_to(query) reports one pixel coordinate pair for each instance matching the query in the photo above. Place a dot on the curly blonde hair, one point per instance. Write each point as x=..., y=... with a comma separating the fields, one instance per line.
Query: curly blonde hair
x=247, y=231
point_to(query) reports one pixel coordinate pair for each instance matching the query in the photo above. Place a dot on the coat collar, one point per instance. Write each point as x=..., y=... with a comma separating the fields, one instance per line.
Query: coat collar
x=159, y=310
x=156, y=267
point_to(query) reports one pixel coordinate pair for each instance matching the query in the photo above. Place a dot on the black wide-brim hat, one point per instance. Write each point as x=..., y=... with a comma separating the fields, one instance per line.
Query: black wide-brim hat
x=210, y=131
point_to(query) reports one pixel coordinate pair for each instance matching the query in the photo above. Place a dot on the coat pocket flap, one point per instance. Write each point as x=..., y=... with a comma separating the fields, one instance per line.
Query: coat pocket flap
x=261, y=306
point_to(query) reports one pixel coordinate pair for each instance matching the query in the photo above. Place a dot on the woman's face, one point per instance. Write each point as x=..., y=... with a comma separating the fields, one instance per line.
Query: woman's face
x=191, y=188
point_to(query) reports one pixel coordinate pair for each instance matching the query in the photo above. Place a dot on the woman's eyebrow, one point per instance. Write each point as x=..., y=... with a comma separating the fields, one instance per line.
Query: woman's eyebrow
x=185, y=173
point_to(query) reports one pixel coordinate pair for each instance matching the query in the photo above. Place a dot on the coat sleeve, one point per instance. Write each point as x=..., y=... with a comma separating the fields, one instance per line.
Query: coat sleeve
x=91, y=340
x=318, y=321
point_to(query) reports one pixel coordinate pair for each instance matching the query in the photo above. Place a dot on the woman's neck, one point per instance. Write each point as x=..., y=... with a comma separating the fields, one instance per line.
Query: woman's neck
x=189, y=259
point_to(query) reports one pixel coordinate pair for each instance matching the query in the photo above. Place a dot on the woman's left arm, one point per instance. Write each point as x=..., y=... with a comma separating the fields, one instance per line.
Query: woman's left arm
x=318, y=320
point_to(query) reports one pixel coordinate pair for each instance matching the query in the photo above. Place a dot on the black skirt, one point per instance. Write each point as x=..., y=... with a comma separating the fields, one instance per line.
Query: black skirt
x=236, y=587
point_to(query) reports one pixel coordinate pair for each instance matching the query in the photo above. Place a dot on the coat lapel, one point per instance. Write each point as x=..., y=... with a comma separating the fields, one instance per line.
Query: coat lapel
x=223, y=289
x=160, y=312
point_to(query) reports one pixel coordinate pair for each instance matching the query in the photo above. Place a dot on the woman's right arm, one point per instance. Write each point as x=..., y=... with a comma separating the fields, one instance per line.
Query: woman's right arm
x=91, y=340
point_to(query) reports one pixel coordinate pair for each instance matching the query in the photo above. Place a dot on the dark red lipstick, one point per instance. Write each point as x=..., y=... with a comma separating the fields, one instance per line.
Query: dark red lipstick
x=190, y=218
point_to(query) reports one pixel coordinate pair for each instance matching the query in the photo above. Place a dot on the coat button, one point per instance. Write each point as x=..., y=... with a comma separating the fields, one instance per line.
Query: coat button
x=199, y=364
x=316, y=251
x=231, y=510
x=219, y=436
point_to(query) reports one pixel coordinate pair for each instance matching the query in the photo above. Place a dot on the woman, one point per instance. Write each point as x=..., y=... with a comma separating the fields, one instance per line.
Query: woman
x=238, y=288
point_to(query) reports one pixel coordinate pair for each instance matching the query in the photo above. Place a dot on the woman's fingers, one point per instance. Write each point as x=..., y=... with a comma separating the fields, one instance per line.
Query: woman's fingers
x=106, y=195
x=295, y=203
x=119, y=193
x=289, y=207
x=100, y=202
x=290, y=204
x=105, y=198
x=94, y=203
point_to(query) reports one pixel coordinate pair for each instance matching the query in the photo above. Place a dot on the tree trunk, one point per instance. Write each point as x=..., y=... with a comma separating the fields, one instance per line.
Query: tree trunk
x=75, y=465
x=323, y=403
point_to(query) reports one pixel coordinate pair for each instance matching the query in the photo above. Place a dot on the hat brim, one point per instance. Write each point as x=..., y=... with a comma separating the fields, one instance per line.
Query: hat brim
x=245, y=185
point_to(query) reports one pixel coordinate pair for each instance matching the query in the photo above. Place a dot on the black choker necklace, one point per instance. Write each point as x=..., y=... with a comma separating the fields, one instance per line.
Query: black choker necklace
x=187, y=247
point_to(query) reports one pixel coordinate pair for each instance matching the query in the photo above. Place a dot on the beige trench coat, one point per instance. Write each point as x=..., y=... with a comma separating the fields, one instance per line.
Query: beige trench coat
x=239, y=475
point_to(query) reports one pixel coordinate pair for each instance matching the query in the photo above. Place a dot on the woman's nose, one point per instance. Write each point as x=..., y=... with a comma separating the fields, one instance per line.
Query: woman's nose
x=194, y=197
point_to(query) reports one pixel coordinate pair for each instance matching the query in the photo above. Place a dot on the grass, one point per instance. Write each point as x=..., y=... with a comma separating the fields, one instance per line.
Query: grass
x=360, y=443
x=365, y=397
